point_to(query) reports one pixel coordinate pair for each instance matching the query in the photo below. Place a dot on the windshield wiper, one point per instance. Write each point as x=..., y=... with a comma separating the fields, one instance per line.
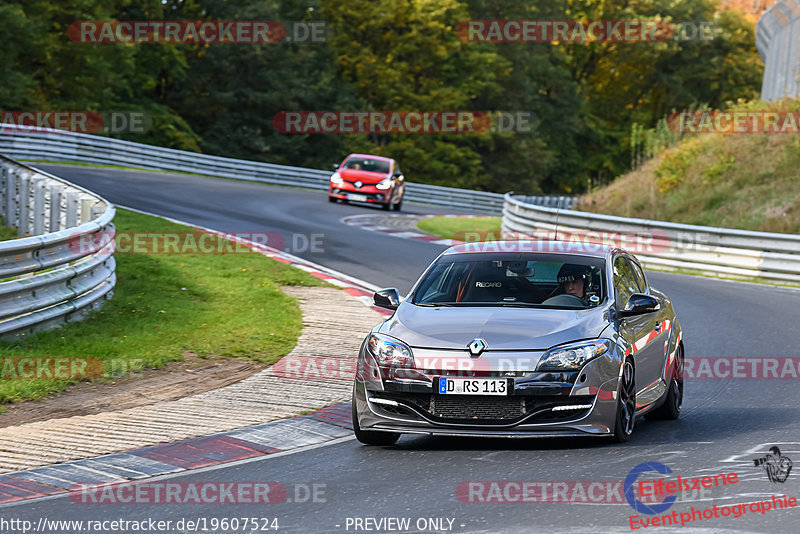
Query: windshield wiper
x=434, y=304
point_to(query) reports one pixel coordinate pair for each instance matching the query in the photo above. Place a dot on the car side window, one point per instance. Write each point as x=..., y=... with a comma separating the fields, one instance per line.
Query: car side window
x=435, y=282
x=440, y=282
x=639, y=274
x=625, y=283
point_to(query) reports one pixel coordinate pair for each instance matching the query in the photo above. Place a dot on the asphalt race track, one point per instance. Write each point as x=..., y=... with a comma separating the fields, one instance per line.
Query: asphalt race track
x=724, y=426
x=238, y=206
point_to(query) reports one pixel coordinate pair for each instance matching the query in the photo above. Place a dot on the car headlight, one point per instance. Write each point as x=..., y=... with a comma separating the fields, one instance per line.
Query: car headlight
x=390, y=351
x=386, y=183
x=336, y=179
x=573, y=356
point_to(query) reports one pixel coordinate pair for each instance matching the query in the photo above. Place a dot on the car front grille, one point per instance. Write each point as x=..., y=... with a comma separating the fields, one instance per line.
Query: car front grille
x=487, y=409
x=378, y=197
x=493, y=408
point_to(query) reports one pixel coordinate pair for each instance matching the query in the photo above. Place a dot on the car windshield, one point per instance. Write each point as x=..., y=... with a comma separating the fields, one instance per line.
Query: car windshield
x=369, y=165
x=522, y=280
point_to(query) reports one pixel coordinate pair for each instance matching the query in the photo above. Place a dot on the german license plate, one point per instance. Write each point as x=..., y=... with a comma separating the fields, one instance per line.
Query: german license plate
x=473, y=386
x=357, y=198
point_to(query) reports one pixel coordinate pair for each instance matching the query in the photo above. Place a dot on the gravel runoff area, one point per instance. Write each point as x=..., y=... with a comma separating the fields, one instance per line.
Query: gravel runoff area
x=334, y=324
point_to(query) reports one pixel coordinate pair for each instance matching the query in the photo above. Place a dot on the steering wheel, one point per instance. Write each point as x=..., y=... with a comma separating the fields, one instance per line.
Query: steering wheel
x=565, y=300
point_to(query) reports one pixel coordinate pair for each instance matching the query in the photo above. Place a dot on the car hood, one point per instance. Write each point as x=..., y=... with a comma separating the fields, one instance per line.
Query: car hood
x=502, y=328
x=367, y=177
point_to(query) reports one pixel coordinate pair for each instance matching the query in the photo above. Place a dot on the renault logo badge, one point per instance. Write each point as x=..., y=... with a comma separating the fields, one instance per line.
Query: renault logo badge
x=358, y=185
x=476, y=347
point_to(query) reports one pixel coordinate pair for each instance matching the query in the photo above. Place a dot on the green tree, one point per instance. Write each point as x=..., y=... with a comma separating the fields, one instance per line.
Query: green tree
x=405, y=55
x=45, y=70
x=18, y=89
x=623, y=83
x=231, y=92
x=539, y=81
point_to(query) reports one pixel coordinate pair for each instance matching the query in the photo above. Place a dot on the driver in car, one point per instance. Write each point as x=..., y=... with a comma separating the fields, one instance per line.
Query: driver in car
x=573, y=280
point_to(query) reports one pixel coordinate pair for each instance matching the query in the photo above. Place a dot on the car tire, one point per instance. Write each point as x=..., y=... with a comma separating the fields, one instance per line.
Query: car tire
x=626, y=403
x=671, y=409
x=399, y=205
x=368, y=437
x=387, y=206
x=332, y=199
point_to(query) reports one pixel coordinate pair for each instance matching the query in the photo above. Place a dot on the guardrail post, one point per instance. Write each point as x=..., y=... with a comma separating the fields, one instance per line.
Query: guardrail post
x=38, y=207
x=23, y=223
x=3, y=179
x=72, y=210
x=86, y=209
x=55, y=208
x=97, y=209
x=45, y=284
x=11, y=198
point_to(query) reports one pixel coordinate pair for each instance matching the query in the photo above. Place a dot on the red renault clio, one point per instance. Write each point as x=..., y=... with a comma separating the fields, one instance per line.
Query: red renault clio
x=371, y=179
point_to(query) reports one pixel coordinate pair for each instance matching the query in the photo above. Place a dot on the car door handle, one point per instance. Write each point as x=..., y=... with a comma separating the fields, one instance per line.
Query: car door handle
x=657, y=327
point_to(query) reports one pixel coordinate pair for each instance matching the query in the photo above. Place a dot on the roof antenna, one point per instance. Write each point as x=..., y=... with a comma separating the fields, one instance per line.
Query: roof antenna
x=558, y=211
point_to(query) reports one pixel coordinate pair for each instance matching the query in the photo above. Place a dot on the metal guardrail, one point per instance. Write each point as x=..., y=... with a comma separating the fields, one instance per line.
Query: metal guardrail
x=76, y=147
x=63, y=266
x=720, y=252
x=563, y=202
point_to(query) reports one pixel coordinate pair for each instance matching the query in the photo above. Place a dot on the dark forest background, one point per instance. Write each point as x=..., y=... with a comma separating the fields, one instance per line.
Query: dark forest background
x=388, y=55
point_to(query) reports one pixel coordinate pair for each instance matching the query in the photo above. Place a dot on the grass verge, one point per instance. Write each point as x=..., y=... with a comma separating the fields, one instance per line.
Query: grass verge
x=746, y=181
x=7, y=232
x=101, y=166
x=168, y=304
x=456, y=227
x=723, y=276
x=160, y=171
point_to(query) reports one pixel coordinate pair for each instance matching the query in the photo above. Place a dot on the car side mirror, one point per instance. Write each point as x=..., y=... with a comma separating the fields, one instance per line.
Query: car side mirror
x=387, y=298
x=397, y=174
x=639, y=304
x=335, y=166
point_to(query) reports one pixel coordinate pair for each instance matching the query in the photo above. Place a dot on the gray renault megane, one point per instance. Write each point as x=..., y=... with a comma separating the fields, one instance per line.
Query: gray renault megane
x=521, y=339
